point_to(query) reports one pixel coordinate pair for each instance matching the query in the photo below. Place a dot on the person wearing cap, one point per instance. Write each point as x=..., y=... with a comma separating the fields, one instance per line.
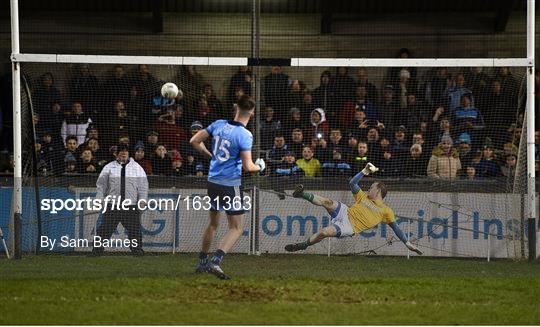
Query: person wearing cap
x=140, y=158
x=466, y=155
x=444, y=162
x=195, y=164
x=196, y=126
x=416, y=163
x=152, y=139
x=177, y=166
x=124, y=180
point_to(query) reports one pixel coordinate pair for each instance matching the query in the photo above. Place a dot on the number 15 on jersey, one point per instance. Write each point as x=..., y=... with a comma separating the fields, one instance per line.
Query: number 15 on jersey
x=221, y=149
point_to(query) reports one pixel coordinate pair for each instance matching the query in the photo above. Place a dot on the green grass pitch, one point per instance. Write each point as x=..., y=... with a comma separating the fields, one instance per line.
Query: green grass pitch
x=270, y=289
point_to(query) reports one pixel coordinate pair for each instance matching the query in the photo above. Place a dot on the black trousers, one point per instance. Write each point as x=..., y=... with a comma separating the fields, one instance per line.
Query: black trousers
x=130, y=219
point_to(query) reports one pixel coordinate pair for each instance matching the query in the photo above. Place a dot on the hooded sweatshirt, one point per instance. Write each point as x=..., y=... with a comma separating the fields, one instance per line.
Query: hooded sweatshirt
x=320, y=127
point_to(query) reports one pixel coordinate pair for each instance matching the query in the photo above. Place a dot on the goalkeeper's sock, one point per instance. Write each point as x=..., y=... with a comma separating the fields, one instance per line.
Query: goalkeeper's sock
x=203, y=258
x=308, y=196
x=218, y=257
x=304, y=245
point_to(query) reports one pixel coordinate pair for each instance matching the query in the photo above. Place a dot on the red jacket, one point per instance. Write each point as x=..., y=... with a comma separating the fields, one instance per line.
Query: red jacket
x=172, y=136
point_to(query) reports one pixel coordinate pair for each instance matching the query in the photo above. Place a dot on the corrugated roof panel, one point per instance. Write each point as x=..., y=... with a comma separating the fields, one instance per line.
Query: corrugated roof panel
x=268, y=6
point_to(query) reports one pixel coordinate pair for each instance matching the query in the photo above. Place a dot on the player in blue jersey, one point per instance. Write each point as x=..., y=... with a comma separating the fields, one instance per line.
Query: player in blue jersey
x=231, y=151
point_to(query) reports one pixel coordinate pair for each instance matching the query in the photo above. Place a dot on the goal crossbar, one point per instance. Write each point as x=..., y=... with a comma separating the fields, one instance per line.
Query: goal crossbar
x=294, y=62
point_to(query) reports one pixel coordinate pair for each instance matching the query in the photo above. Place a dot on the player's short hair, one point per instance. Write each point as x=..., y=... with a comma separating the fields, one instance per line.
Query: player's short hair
x=245, y=103
x=383, y=188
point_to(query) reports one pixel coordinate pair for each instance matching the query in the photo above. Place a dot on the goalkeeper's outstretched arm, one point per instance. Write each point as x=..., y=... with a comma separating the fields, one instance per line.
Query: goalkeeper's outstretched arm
x=353, y=183
x=403, y=238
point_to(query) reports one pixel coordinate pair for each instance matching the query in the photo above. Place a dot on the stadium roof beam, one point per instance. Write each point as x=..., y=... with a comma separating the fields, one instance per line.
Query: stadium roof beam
x=157, y=16
x=503, y=14
x=326, y=21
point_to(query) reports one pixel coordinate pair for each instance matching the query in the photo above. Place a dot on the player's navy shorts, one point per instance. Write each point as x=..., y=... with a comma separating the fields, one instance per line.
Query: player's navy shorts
x=226, y=198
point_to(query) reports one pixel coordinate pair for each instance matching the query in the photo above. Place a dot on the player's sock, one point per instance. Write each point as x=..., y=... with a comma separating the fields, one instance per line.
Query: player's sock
x=218, y=257
x=203, y=258
x=308, y=196
x=304, y=245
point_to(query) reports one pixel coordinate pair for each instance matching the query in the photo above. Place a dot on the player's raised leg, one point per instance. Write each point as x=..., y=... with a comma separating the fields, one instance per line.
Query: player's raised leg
x=329, y=204
x=208, y=237
x=333, y=207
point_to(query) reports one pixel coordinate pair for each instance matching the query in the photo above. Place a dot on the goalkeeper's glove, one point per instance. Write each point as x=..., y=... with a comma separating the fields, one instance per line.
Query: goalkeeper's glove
x=413, y=248
x=369, y=169
x=260, y=162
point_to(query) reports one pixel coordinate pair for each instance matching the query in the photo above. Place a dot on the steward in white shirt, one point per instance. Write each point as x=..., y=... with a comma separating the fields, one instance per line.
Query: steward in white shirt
x=120, y=186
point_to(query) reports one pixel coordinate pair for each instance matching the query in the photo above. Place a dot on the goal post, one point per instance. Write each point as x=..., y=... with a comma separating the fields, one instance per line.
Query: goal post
x=454, y=217
x=15, y=217
x=532, y=199
x=449, y=225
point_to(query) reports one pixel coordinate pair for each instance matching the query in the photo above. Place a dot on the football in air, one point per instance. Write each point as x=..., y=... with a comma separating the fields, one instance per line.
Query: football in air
x=170, y=90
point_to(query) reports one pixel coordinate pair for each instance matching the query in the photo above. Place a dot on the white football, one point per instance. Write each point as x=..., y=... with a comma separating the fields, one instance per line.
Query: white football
x=169, y=90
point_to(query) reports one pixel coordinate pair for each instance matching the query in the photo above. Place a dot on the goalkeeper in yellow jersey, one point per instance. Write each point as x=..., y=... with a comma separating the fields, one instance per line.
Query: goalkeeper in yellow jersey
x=368, y=211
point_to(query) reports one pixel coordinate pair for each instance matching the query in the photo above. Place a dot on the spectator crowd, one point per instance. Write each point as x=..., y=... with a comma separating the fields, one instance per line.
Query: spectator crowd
x=435, y=123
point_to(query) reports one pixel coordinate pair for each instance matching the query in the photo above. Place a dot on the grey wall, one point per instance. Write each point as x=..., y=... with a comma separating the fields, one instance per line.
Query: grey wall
x=293, y=35
x=434, y=35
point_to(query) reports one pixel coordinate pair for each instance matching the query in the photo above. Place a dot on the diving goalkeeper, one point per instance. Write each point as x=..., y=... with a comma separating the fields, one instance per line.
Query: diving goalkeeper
x=368, y=211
